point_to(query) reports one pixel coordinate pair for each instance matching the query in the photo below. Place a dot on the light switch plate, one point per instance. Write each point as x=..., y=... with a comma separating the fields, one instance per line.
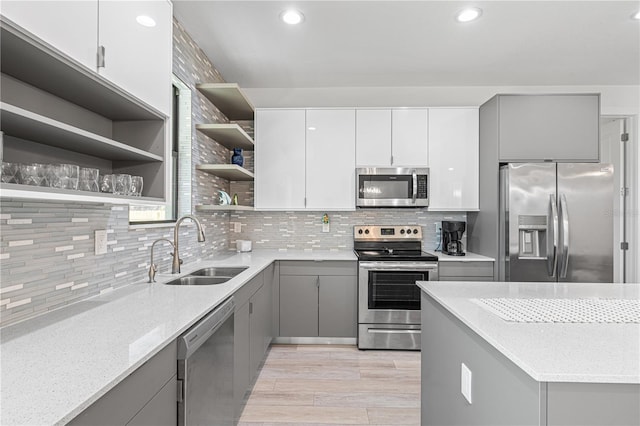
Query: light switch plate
x=101, y=241
x=465, y=382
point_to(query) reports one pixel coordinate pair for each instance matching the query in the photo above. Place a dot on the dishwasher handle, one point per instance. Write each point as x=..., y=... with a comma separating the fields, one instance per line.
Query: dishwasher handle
x=197, y=335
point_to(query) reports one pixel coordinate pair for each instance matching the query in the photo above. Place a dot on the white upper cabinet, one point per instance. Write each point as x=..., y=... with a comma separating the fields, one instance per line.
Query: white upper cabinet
x=409, y=137
x=69, y=26
x=454, y=159
x=373, y=137
x=305, y=159
x=280, y=159
x=138, y=58
x=392, y=137
x=330, y=159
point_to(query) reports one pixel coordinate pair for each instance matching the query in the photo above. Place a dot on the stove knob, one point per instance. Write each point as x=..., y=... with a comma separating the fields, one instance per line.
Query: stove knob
x=408, y=231
x=415, y=231
x=366, y=231
x=402, y=231
x=360, y=231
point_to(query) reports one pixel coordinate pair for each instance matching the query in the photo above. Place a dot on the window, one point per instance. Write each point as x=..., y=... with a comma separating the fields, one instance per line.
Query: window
x=179, y=194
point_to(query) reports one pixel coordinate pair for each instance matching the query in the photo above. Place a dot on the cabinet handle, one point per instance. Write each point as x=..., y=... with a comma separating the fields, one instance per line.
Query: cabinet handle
x=318, y=282
x=101, y=53
x=250, y=308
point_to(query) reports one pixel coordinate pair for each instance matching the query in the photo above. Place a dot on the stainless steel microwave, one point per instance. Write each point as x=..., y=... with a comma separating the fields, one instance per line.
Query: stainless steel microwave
x=392, y=187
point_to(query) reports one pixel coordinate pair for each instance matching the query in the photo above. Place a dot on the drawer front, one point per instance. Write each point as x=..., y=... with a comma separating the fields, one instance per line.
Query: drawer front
x=466, y=269
x=458, y=278
x=325, y=267
x=242, y=295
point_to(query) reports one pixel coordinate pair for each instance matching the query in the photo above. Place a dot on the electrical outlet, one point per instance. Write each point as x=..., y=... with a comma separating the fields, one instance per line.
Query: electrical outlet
x=237, y=227
x=101, y=241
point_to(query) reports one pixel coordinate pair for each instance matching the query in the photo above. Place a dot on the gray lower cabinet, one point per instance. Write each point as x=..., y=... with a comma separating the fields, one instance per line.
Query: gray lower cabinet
x=318, y=299
x=252, y=333
x=299, y=305
x=146, y=397
x=502, y=393
x=465, y=271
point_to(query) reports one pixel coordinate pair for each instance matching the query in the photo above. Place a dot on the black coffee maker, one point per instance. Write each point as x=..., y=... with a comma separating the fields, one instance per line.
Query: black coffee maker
x=452, y=237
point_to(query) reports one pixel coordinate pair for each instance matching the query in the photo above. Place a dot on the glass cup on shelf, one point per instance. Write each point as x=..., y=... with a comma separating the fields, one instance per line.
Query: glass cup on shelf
x=31, y=174
x=136, y=186
x=88, y=179
x=122, y=184
x=106, y=183
x=10, y=172
x=70, y=176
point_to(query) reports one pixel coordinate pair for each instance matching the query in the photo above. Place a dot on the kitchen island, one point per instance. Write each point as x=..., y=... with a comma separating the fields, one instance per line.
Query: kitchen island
x=491, y=355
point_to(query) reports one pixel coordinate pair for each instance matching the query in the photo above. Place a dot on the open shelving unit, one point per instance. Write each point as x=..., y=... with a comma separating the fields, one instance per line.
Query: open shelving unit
x=229, y=99
x=227, y=171
x=55, y=110
x=222, y=208
x=228, y=135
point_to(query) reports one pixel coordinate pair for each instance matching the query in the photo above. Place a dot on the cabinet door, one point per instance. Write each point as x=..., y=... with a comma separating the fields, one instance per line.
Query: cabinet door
x=299, y=305
x=280, y=159
x=373, y=137
x=241, y=350
x=162, y=410
x=138, y=58
x=330, y=160
x=409, y=137
x=260, y=327
x=549, y=127
x=454, y=159
x=52, y=21
x=337, y=304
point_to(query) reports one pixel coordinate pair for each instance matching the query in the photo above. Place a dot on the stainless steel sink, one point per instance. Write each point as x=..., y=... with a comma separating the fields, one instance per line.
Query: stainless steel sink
x=193, y=280
x=219, y=272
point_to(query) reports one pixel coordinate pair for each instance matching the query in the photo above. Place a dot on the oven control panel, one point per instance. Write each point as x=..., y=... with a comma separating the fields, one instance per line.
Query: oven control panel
x=387, y=232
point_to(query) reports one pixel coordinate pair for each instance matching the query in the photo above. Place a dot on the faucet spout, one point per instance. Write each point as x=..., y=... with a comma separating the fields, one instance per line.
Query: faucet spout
x=152, y=267
x=175, y=266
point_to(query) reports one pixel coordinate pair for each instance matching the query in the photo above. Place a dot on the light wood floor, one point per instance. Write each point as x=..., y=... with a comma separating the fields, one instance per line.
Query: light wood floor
x=335, y=385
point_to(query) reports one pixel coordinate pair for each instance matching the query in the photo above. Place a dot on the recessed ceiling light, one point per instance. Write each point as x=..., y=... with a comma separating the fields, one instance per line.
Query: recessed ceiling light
x=469, y=14
x=292, y=16
x=636, y=15
x=145, y=21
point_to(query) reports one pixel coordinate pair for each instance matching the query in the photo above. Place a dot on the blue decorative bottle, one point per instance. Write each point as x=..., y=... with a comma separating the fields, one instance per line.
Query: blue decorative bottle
x=237, y=157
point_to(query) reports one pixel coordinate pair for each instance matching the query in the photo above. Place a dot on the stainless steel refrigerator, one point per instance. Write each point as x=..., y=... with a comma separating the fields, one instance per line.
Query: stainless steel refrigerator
x=556, y=222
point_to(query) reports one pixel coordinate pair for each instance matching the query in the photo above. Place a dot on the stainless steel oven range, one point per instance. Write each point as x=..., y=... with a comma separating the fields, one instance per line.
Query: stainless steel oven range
x=390, y=261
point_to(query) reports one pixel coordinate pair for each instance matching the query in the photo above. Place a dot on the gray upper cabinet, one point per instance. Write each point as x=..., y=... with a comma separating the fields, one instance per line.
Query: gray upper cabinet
x=534, y=128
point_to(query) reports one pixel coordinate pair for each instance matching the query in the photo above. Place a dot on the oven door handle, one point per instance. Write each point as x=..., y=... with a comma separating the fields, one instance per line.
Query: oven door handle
x=393, y=331
x=390, y=266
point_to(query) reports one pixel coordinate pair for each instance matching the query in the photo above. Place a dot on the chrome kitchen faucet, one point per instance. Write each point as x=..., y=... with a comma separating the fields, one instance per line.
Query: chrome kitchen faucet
x=175, y=266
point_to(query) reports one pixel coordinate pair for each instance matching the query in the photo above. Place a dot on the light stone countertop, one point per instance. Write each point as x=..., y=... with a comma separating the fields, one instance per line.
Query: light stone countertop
x=468, y=257
x=550, y=352
x=55, y=365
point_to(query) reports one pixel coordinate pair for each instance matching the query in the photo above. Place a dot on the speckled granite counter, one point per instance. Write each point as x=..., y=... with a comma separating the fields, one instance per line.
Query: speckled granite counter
x=550, y=352
x=56, y=365
x=468, y=257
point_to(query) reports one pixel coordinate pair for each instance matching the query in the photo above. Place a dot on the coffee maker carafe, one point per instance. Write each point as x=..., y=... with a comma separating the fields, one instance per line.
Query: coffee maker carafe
x=452, y=237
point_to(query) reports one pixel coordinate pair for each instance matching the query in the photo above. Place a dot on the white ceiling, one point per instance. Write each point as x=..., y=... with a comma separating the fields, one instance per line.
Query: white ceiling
x=417, y=43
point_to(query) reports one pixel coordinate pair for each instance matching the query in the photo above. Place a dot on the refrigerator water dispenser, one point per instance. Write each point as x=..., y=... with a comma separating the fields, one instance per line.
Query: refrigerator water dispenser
x=532, y=230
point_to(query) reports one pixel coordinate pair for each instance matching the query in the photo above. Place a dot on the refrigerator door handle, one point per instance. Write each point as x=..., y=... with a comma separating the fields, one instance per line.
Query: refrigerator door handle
x=564, y=215
x=552, y=237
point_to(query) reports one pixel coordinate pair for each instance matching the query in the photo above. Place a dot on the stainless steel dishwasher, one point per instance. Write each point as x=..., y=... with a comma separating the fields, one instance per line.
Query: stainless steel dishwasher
x=205, y=370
